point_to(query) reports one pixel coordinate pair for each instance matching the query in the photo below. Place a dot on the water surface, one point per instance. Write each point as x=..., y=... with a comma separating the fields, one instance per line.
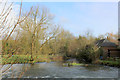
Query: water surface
x=57, y=70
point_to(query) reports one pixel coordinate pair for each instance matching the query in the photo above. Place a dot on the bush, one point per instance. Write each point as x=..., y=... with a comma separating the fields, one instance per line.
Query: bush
x=86, y=55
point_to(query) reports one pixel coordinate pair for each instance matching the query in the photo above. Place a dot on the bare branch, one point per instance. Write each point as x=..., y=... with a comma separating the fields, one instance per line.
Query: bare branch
x=3, y=14
x=26, y=16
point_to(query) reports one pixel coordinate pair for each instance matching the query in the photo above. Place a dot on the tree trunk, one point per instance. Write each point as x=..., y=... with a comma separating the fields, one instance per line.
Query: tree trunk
x=32, y=48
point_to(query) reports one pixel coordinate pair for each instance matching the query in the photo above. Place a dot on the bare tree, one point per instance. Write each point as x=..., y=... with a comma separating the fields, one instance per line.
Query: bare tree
x=6, y=28
x=39, y=30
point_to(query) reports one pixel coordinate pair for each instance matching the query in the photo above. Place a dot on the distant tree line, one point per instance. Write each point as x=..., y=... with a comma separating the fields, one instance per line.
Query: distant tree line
x=37, y=34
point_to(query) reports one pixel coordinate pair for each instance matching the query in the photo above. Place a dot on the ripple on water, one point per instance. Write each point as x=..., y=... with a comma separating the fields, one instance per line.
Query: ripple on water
x=52, y=70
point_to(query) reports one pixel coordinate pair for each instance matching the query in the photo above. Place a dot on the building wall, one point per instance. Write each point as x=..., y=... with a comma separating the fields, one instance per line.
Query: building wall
x=115, y=53
x=112, y=53
x=119, y=44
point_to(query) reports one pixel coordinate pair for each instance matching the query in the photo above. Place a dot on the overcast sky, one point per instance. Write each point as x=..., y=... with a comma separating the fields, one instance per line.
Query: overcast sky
x=79, y=17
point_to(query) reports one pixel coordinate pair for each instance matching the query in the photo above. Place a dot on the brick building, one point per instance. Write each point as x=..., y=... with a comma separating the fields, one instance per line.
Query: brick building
x=110, y=49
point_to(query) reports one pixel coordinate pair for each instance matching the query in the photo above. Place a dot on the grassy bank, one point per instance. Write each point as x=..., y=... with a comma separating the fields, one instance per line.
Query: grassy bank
x=100, y=62
x=15, y=59
x=110, y=63
x=74, y=64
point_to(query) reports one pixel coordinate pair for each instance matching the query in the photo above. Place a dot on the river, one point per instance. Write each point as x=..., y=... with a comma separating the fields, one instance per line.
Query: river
x=57, y=70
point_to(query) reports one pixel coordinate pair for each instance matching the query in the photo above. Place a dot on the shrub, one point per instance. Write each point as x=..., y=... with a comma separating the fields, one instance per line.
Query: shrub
x=86, y=55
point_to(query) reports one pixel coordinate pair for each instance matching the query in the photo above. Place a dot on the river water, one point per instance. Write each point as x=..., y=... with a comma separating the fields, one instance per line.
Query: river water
x=57, y=70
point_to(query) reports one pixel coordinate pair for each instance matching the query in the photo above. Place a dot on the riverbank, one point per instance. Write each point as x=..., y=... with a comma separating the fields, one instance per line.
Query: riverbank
x=16, y=59
x=113, y=62
x=109, y=63
x=21, y=59
x=101, y=62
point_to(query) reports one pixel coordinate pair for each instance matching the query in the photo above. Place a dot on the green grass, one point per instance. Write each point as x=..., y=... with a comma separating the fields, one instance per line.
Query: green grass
x=74, y=64
x=110, y=62
x=25, y=59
